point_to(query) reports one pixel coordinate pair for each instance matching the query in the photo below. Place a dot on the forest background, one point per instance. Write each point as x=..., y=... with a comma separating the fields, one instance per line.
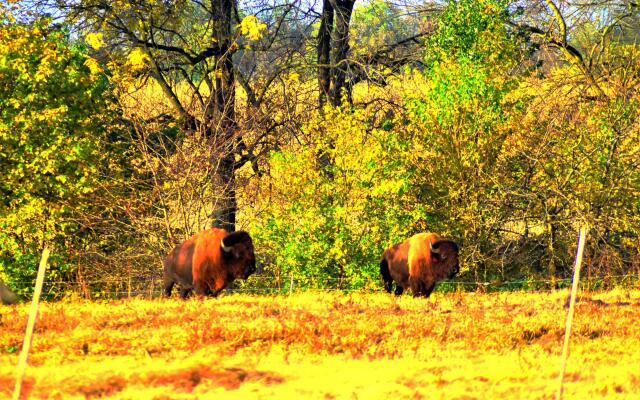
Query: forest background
x=329, y=130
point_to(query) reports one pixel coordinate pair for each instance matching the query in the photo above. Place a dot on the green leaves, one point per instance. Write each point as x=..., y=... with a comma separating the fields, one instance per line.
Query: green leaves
x=475, y=30
x=328, y=226
x=49, y=129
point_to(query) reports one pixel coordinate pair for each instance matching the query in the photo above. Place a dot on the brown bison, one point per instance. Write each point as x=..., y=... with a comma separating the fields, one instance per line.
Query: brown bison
x=208, y=262
x=6, y=295
x=418, y=263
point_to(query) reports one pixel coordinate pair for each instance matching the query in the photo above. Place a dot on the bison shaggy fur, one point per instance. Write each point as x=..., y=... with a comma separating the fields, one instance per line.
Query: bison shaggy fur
x=419, y=263
x=208, y=262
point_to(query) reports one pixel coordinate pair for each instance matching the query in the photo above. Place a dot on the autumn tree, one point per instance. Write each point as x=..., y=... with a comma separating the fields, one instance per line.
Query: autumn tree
x=331, y=133
x=387, y=36
x=52, y=120
x=581, y=169
x=333, y=49
x=198, y=54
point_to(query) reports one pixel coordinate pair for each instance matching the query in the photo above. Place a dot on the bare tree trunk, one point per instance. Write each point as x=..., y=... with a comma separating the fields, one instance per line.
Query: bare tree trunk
x=333, y=51
x=223, y=124
x=227, y=215
x=324, y=52
x=343, y=10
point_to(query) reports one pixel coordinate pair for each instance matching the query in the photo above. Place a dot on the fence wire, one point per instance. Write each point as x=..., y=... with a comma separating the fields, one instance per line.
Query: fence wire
x=151, y=287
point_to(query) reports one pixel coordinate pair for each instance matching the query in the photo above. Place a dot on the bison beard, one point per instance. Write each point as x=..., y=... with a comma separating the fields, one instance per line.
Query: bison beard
x=208, y=262
x=419, y=263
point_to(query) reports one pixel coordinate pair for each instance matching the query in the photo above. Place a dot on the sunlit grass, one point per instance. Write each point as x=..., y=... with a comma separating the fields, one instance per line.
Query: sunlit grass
x=328, y=345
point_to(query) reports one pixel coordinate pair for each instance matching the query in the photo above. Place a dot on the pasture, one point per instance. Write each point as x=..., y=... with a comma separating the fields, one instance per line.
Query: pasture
x=328, y=346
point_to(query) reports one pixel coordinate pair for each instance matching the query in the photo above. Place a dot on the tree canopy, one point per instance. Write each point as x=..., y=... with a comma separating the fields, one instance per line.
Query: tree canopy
x=328, y=130
x=52, y=98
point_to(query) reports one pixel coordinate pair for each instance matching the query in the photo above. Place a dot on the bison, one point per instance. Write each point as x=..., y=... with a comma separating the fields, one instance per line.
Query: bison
x=6, y=295
x=208, y=262
x=418, y=263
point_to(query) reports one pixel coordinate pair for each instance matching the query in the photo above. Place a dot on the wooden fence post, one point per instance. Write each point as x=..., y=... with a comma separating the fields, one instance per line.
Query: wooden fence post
x=33, y=313
x=572, y=302
x=291, y=285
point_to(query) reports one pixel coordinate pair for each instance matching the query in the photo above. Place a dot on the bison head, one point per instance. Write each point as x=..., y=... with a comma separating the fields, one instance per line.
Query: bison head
x=445, y=254
x=237, y=250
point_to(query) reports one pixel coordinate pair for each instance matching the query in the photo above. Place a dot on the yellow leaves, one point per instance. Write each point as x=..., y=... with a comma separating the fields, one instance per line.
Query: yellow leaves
x=293, y=78
x=10, y=17
x=252, y=28
x=51, y=114
x=20, y=66
x=137, y=59
x=93, y=65
x=45, y=70
x=489, y=9
x=15, y=103
x=95, y=40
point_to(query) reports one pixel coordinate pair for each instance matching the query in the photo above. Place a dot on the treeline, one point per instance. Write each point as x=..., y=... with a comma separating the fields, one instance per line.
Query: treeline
x=328, y=131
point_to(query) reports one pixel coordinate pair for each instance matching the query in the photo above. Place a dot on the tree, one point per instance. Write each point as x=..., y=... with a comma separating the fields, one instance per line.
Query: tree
x=581, y=168
x=195, y=52
x=386, y=42
x=333, y=50
x=53, y=113
x=460, y=122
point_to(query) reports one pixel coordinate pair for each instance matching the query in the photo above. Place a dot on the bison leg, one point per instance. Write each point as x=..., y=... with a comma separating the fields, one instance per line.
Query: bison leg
x=416, y=286
x=211, y=292
x=399, y=290
x=386, y=275
x=201, y=289
x=185, y=292
x=428, y=289
x=204, y=289
x=217, y=287
x=168, y=287
x=423, y=290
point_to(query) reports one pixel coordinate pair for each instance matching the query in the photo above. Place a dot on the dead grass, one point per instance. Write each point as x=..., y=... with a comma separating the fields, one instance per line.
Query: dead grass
x=318, y=345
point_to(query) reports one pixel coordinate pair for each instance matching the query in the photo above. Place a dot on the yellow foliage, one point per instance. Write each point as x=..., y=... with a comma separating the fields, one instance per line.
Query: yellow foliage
x=95, y=40
x=146, y=99
x=293, y=78
x=252, y=28
x=137, y=59
x=93, y=65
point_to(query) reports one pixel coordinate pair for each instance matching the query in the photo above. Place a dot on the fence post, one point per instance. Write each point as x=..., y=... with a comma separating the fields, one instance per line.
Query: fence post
x=33, y=313
x=572, y=302
x=291, y=285
x=129, y=280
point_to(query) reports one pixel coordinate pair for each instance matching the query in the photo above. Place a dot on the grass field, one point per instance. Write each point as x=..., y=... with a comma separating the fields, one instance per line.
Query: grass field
x=328, y=346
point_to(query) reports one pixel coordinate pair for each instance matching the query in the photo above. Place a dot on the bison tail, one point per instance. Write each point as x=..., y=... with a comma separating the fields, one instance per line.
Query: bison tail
x=386, y=275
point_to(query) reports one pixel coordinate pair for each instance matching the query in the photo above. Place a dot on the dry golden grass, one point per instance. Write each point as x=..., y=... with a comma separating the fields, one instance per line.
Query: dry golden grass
x=318, y=345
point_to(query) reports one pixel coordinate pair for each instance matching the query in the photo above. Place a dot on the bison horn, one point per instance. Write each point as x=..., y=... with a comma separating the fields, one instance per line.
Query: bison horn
x=225, y=248
x=433, y=249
